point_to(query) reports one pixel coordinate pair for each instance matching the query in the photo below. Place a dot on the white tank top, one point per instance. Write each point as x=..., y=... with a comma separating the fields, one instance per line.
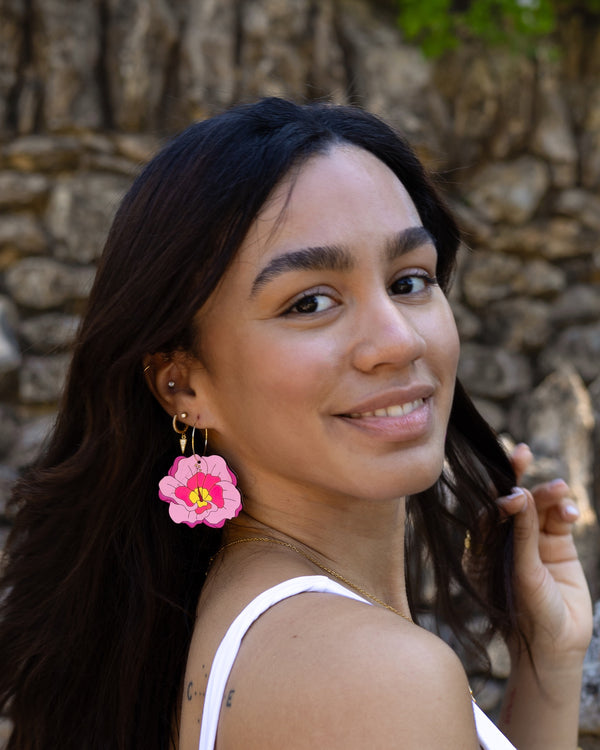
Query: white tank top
x=490, y=737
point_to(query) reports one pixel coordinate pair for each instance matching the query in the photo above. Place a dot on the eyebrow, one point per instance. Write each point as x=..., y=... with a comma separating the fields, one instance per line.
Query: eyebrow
x=407, y=240
x=336, y=258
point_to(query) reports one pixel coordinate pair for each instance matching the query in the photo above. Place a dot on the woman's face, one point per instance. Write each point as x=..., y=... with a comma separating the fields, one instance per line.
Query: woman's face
x=328, y=351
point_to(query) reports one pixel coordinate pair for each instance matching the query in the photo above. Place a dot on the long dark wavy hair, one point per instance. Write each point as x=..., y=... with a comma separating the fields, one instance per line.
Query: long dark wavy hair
x=100, y=588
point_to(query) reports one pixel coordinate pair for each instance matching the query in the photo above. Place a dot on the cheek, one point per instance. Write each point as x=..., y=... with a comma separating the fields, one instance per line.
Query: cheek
x=444, y=343
x=275, y=373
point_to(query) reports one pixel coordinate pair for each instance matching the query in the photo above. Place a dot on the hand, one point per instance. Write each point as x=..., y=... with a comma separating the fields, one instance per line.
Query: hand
x=553, y=600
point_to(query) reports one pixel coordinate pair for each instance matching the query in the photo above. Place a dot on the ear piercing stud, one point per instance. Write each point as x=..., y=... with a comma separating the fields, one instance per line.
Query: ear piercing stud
x=171, y=384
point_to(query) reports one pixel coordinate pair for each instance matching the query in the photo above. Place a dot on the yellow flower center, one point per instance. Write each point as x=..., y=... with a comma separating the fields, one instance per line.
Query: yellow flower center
x=201, y=497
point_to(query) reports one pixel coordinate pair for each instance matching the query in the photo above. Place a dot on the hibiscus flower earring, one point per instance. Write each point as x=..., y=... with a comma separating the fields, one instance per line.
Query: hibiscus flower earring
x=199, y=489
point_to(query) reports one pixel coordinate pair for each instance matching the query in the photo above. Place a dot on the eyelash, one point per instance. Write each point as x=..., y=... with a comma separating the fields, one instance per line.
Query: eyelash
x=306, y=296
x=425, y=277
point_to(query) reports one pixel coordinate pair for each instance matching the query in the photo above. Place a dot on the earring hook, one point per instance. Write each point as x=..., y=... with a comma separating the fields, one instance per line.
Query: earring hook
x=205, y=440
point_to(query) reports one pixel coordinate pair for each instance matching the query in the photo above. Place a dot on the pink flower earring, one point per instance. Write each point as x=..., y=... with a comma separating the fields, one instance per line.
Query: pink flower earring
x=199, y=489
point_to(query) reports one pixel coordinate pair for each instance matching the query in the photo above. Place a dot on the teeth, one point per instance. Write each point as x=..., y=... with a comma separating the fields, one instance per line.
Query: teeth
x=397, y=410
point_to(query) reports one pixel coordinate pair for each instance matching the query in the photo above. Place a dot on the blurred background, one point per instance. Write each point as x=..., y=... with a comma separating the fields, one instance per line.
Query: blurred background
x=500, y=98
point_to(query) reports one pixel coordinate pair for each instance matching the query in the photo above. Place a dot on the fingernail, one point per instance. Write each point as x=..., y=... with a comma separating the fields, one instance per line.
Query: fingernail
x=571, y=511
x=556, y=482
x=516, y=492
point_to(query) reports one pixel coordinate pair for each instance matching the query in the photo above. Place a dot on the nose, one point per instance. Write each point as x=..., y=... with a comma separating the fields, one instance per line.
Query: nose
x=386, y=333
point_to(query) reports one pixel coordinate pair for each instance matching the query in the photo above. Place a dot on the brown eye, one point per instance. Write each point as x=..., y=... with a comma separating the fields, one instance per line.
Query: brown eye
x=311, y=303
x=413, y=284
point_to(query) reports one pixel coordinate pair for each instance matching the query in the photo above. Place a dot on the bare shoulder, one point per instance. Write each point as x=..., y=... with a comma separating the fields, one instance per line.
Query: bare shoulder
x=322, y=670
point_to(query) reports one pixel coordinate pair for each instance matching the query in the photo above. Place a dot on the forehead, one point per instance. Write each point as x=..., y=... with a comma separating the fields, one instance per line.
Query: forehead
x=345, y=196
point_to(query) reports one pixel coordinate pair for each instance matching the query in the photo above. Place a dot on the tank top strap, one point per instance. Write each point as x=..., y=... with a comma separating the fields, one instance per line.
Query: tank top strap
x=230, y=645
x=489, y=735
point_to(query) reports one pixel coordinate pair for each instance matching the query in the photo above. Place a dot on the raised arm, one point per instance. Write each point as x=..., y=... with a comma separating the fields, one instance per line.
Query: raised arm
x=541, y=706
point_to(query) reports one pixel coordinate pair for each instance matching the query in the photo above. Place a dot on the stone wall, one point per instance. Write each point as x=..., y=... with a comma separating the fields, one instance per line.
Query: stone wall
x=88, y=88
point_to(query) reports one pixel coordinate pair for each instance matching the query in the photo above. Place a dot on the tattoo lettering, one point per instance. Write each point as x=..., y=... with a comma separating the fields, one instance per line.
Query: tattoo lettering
x=229, y=698
x=189, y=690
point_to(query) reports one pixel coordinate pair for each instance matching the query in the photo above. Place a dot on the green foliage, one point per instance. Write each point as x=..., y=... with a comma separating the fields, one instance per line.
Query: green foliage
x=440, y=25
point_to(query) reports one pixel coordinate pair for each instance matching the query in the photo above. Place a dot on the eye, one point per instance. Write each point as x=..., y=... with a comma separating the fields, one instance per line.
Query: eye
x=310, y=304
x=414, y=283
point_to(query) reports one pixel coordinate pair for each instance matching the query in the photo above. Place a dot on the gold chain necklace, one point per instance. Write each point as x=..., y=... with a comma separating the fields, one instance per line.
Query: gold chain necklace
x=314, y=561
x=324, y=568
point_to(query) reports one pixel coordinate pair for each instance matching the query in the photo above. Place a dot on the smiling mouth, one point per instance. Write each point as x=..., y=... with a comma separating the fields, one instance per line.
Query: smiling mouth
x=396, y=410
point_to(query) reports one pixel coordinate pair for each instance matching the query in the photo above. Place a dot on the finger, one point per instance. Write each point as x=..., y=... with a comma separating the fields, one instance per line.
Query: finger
x=526, y=533
x=556, y=511
x=560, y=518
x=521, y=458
x=549, y=493
x=514, y=503
x=553, y=499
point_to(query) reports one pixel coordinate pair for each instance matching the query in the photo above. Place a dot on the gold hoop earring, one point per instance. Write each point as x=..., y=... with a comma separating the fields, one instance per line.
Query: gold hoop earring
x=200, y=489
x=205, y=440
x=183, y=438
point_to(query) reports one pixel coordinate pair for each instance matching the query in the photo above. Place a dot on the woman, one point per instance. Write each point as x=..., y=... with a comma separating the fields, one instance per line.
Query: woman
x=274, y=281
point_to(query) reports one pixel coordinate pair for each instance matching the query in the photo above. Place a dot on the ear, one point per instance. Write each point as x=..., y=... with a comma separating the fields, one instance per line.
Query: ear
x=176, y=381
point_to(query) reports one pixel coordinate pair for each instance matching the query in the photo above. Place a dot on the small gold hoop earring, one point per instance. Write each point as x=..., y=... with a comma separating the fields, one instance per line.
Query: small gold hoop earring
x=205, y=440
x=183, y=438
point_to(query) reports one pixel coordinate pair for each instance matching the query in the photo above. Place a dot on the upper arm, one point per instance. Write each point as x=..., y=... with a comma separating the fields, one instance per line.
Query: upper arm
x=341, y=676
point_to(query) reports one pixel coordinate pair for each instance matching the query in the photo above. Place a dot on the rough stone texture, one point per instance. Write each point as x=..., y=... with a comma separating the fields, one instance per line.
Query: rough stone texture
x=391, y=78
x=519, y=324
x=9, y=428
x=66, y=51
x=577, y=345
x=141, y=36
x=21, y=234
x=89, y=89
x=553, y=137
x=30, y=439
x=581, y=205
x=10, y=356
x=489, y=277
x=207, y=72
x=11, y=46
x=8, y=477
x=46, y=333
x=48, y=153
x=509, y=191
x=497, y=373
x=41, y=379
x=22, y=190
x=79, y=214
x=579, y=303
x=594, y=391
x=559, y=421
x=590, y=140
x=42, y=283
x=552, y=239
x=490, y=99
